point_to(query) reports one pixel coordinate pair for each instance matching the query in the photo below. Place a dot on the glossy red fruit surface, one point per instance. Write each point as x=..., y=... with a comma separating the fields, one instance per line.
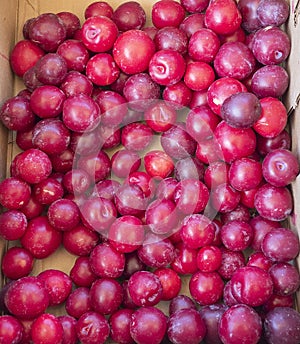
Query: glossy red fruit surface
x=272, y=13
x=209, y=151
x=206, y=288
x=63, y=214
x=167, y=67
x=181, y=302
x=261, y=227
x=234, y=325
x=57, y=283
x=272, y=51
x=172, y=38
x=161, y=216
x=167, y=13
x=273, y=203
x=81, y=273
x=99, y=33
x=148, y=325
x=130, y=200
x=145, y=288
x=47, y=329
x=161, y=115
x=68, y=324
x=222, y=16
x=41, y=104
x=280, y=167
x=221, y=89
x=126, y=233
x=132, y=264
x=98, y=213
x=204, y=45
x=177, y=143
x=225, y=198
x=138, y=96
x=105, y=261
x=51, y=69
x=186, y=325
x=70, y=21
x=158, y=164
x=17, y=262
x=278, y=329
x=27, y=298
x=251, y=285
x=16, y=114
x=260, y=260
x=241, y=110
x=81, y=113
x=129, y=16
x=98, y=8
x=98, y=328
x=231, y=262
x=13, y=224
x=270, y=81
x=192, y=23
x=248, y=10
x=11, y=329
x=24, y=55
x=33, y=165
x=236, y=235
x=170, y=281
x=144, y=181
x=225, y=64
x=266, y=126
x=124, y=162
x=199, y=75
x=209, y=258
x=156, y=252
x=47, y=31
x=191, y=196
x=281, y=245
x=40, y=238
x=75, y=54
x=119, y=323
x=136, y=136
x=235, y=142
x=197, y=231
x=78, y=302
x=185, y=261
x=47, y=191
x=51, y=136
x=285, y=278
x=127, y=57
x=106, y=295
x=245, y=174
x=112, y=106
x=102, y=70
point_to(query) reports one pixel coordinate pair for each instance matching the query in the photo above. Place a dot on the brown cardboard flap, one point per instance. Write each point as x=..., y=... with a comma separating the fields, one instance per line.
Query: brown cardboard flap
x=296, y=11
x=293, y=63
x=8, y=16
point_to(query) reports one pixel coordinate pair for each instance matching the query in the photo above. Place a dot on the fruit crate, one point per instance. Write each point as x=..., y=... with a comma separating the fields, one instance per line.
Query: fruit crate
x=13, y=15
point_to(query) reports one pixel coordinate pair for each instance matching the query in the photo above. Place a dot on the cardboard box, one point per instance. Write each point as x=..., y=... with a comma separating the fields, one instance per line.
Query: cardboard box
x=14, y=13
